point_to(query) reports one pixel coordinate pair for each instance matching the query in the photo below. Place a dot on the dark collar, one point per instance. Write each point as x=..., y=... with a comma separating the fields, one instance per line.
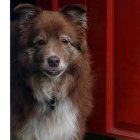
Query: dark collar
x=52, y=102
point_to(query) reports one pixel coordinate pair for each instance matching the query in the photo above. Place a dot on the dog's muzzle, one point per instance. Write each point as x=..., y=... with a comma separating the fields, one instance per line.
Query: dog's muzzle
x=53, y=66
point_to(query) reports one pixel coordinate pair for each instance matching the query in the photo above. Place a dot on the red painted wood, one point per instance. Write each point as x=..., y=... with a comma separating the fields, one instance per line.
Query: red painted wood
x=127, y=59
x=44, y=4
x=55, y=5
x=48, y=4
x=123, y=68
x=67, y=2
x=97, y=44
x=110, y=66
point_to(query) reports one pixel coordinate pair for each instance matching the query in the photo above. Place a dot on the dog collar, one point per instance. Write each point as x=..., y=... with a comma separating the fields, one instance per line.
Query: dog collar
x=52, y=103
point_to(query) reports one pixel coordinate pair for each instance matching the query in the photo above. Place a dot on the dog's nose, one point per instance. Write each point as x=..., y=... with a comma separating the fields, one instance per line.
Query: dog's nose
x=53, y=61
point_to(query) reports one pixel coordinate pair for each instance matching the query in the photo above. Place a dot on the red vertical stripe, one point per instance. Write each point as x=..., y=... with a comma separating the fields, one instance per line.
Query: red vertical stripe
x=55, y=5
x=110, y=65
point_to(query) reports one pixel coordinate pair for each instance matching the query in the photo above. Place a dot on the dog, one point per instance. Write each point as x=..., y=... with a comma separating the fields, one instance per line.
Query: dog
x=51, y=80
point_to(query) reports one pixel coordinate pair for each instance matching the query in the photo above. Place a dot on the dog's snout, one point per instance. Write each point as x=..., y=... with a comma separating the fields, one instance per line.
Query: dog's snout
x=53, y=61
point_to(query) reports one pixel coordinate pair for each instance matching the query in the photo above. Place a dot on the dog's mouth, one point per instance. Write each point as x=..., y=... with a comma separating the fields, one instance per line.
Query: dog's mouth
x=51, y=72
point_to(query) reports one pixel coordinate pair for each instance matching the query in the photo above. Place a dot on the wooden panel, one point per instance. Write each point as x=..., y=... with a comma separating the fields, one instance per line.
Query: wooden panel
x=44, y=4
x=97, y=44
x=123, y=68
x=66, y=2
x=127, y=61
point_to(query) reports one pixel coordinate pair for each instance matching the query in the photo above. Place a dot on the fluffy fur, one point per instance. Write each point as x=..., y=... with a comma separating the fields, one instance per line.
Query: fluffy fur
x=36, y=36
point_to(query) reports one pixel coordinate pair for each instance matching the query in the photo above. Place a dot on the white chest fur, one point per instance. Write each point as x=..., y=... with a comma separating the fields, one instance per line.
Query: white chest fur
x=60, y=125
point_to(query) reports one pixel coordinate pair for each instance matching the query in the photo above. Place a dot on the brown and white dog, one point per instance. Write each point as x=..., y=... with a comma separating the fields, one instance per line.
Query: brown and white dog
x=50, y=74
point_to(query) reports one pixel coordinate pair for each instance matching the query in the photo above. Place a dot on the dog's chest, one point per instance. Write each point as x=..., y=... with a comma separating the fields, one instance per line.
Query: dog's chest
x=60, y=125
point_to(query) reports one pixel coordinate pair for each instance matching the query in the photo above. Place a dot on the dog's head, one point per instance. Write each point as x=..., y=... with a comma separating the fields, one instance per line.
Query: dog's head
x=50, y=42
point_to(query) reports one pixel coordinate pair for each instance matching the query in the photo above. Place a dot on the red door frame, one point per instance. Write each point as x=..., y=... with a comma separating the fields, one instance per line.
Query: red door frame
x=110, y=66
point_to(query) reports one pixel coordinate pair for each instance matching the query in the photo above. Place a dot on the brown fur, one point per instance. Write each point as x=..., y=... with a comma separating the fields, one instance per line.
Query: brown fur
x=25, y=72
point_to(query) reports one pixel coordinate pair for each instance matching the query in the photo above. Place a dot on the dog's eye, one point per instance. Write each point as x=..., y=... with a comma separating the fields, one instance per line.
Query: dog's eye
x=65, y=41
x=41, y=42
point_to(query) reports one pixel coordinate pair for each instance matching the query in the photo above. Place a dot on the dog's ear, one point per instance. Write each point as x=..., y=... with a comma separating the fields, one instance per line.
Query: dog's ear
x=77, y=13
x=25, y=12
